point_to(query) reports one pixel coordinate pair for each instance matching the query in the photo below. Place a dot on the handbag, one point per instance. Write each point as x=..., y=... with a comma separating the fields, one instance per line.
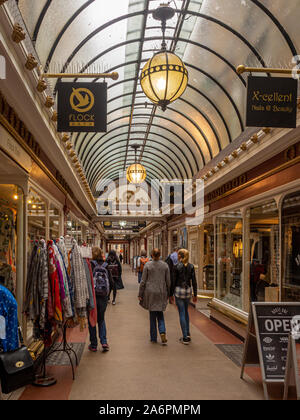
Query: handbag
x=16, y=368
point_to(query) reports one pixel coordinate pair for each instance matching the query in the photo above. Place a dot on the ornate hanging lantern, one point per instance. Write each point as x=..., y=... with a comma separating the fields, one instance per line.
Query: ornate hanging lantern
x=136, y=173
x=164, y=77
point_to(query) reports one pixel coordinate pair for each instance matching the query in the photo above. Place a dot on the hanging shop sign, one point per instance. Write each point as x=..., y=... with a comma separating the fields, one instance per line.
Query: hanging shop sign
x=269, y=328
x=82, y=107
x=272, y=102
x=292, y=376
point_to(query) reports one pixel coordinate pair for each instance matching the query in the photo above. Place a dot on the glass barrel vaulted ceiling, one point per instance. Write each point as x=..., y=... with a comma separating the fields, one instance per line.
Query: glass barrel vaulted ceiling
x=212, y=37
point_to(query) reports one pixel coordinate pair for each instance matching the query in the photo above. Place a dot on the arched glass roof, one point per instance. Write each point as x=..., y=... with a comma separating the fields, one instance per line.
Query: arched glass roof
x=211, y=36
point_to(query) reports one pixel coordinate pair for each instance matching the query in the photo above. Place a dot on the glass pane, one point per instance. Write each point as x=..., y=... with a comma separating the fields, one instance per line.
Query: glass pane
x=208, y=257
x=290, y=248
x=36, y=208
x=263, y=252
x=229, y=236
x=54, y=216
x=10, y=197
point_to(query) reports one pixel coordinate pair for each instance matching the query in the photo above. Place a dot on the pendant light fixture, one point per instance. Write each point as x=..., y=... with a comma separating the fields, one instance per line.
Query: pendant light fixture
x=136, y=173
x=164, y=77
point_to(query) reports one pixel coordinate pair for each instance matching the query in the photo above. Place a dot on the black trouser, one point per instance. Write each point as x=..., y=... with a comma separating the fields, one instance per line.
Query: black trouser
x=114, y=288
x=101, y=308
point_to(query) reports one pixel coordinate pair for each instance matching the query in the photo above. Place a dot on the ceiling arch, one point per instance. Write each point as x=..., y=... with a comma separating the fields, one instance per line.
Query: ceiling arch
x=211, y=36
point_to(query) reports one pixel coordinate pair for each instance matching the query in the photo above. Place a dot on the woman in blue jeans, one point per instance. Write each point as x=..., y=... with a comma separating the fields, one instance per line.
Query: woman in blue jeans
x=101, y=308
x=153, y=294
x=184, y=285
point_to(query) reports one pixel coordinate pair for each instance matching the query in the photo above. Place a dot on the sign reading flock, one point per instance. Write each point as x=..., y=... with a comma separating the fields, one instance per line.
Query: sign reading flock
x=269, y=328
x=82, y=107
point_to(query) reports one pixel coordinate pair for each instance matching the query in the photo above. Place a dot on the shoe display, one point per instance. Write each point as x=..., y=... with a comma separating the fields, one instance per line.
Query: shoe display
x=163, y=339
x=92, y=348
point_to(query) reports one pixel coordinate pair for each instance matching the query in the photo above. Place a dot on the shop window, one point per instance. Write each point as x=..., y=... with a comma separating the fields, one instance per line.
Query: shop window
x=36, y=210
x=291, y=248
x=193, y=252
x=263, y=252
x=208, y=257
x=54, y=221
x=230, y=258
x=10, y=196
x=174, y=239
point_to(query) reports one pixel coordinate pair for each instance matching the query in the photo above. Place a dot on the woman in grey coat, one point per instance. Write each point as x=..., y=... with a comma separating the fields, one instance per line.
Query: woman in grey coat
x=154, y=293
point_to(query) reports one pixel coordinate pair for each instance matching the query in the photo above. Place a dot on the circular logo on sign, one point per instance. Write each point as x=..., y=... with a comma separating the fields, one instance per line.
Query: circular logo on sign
x=82, y=100
x=19, y=364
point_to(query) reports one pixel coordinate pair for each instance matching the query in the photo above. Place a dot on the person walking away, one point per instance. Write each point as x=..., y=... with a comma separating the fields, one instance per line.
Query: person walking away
x=121, y=258
x=142, y=260
x=172, y=261
x=153, y=294
x=102, y=280
x=183, y=285
x=114, y=267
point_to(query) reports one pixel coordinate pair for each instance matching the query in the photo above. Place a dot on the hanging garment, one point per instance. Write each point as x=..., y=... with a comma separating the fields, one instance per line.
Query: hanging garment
x=43, y=278
x=79, y=280
x=31, y=304
x=9, y=312
x=54, y=284
x=69, y=299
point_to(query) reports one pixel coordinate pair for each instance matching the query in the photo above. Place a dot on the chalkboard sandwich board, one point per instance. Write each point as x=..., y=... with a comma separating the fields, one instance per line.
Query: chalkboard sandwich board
x=269, y=328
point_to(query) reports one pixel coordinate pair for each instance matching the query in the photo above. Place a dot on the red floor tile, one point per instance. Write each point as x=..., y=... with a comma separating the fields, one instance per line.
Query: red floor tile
x=60, y=391
x=211, y=330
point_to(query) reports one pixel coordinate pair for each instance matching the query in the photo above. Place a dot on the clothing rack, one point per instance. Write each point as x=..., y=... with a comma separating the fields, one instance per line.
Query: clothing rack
x=43, y=380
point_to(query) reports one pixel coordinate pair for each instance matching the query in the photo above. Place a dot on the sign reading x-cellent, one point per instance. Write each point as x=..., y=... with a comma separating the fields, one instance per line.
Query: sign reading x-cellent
x=272, y=102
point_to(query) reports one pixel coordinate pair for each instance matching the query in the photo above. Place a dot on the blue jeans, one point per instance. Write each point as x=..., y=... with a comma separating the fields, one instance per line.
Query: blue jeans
x=159, y=316
x=140, y=276
x=101, y=308
x=183, y=309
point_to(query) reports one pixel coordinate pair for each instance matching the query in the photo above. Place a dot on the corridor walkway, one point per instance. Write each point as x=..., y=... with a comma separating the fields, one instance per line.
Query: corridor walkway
x=136, y=369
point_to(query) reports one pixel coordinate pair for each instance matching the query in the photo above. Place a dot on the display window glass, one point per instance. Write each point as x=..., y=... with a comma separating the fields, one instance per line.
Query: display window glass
x=263, y=255
x=174, y=239
x=229, y=236
x=36, y=211
x=54, y=221
x=208, y=257
x=291, y=248
x=10, y=199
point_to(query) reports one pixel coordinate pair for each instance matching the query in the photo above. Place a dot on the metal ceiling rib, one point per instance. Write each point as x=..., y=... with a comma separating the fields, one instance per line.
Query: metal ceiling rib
x=208, y=116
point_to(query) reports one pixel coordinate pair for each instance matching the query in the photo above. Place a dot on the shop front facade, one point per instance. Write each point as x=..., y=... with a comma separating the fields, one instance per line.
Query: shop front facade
x=34, y=205
x=252, y=239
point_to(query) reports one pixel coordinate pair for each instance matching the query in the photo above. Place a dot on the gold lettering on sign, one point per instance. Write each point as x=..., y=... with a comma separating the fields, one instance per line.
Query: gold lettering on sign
x=271, y=97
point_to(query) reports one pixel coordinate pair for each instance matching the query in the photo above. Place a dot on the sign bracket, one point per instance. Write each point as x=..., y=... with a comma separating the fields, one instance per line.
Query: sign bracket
x=113, y=76
x=243, y=69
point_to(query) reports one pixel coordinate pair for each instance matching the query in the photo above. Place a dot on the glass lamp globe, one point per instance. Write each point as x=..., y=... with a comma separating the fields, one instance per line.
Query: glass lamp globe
x=136, y=173
x=164, y=78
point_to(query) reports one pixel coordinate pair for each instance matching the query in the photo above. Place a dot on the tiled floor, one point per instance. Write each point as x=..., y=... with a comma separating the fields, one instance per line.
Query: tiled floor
x=136, y=369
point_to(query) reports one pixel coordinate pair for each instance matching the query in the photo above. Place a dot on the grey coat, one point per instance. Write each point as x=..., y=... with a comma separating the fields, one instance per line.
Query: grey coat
x=155, y=286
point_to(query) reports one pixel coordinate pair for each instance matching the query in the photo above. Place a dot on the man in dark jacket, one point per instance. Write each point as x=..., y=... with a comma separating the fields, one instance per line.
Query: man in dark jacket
x=184, y=284
x=172, y=261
